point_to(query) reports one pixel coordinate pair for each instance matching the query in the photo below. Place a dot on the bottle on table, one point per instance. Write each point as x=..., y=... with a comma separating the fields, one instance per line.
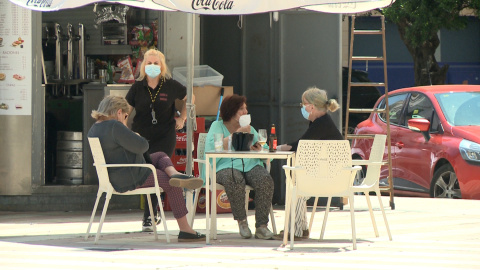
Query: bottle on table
x=272, y=140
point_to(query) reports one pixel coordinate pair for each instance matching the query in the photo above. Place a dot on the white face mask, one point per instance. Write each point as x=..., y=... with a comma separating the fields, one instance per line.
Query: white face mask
x=244, y=120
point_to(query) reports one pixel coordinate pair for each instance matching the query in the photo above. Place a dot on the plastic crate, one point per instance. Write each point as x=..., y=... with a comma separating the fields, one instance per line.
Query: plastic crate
x=202, y=75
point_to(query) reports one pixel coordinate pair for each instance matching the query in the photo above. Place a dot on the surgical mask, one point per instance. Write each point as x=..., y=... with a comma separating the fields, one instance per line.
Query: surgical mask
x=244, y=120
x=152, y=70
x=305, y=113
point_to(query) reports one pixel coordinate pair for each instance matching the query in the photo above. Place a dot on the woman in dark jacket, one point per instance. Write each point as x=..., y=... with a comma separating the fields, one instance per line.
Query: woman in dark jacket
x=315, y=106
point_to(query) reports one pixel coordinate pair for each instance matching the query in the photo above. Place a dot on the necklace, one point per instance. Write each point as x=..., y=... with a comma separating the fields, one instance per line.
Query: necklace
x=152, y=98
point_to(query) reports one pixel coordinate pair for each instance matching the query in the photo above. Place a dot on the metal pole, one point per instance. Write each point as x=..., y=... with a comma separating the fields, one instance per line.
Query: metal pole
x=190, y=63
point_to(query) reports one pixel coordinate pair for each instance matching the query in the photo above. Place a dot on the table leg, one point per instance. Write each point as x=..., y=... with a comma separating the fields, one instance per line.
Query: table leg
x=214, y=201
x=207, y=199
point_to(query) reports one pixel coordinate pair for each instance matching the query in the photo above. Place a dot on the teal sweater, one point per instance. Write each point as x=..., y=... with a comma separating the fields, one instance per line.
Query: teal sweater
x=223, y=163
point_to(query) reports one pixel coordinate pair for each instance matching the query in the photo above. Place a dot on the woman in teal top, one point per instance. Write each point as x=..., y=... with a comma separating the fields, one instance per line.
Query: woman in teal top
x=235, y=173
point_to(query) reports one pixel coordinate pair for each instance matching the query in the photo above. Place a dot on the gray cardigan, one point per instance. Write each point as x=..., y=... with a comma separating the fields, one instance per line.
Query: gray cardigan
x=120, y=145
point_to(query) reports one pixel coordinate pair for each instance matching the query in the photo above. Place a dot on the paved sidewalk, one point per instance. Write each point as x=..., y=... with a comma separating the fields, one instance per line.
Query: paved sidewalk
x=427, y=234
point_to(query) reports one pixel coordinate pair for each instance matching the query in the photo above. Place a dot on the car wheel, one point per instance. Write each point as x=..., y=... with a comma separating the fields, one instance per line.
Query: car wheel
x=445, y=183
x=360, y=175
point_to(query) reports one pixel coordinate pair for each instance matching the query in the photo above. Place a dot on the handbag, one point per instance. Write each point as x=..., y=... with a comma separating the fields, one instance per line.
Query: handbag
x=242, y=141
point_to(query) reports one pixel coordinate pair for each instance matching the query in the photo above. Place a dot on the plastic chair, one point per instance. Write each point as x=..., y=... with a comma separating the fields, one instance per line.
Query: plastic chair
x=322, y=169
x=201, y=160
x=105, y=186
x=371, y=181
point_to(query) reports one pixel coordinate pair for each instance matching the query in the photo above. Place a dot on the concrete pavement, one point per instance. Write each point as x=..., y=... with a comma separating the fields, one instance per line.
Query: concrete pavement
x=427, y=234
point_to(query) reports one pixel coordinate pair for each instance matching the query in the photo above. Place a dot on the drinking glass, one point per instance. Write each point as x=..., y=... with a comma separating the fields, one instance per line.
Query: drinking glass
x=218, y=141
x=262, y=137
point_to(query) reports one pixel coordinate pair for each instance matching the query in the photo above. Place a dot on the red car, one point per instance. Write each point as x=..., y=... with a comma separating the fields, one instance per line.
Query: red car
x=435, y=139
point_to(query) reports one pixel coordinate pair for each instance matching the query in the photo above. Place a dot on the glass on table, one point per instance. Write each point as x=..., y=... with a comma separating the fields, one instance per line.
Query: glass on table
x=218, y=141
x=262, y=137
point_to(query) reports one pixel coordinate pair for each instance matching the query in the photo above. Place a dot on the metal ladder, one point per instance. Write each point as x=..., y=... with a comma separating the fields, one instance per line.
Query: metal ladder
x=382, y=58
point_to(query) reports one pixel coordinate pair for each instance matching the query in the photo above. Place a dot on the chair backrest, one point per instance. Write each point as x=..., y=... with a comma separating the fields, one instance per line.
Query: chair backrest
x=376, y=155
x=202, y=137
x=99, y=159
x=324, y=162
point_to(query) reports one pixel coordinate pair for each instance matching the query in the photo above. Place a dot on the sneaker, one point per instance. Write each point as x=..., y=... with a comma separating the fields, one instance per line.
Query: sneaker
x=190, y=237
x=263, y=232
x=147, y=223
x=185, y=181
x=244, y=230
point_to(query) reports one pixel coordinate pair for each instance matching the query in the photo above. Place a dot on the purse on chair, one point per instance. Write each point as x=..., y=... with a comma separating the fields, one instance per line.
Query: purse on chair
x=242, y=141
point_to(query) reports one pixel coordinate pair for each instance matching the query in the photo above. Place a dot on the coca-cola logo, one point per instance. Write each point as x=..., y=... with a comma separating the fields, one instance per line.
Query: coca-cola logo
x=39, y=3
x=212, y=4
x=182, y=161
x=182, y=138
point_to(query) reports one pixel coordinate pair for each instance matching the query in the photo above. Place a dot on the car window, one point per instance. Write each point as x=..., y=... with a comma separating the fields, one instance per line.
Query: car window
x=396, y=103
x=460, y=108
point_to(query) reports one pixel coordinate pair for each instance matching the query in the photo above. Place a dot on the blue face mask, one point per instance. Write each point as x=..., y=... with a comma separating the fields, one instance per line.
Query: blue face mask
x=305, y=113
x=152, y=70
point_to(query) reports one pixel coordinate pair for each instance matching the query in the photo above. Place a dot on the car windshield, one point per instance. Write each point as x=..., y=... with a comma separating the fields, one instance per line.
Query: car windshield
x=460, y=108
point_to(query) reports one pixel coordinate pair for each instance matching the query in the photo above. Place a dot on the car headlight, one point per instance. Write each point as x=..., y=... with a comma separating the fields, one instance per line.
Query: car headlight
x=470, y=151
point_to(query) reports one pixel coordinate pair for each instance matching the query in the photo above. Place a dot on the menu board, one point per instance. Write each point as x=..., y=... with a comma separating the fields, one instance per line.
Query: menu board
x=15, y=59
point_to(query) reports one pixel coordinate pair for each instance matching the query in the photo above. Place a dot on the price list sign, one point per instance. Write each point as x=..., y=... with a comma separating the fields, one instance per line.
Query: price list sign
x=15, y=59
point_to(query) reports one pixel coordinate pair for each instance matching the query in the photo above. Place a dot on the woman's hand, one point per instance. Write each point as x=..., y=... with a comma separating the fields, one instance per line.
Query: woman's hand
x=179, y=123
x=244, y=129
x=284, y=147
x=256, y=147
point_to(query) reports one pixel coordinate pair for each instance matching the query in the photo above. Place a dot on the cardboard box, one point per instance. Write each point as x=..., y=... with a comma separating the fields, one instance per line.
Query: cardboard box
x=207, y=99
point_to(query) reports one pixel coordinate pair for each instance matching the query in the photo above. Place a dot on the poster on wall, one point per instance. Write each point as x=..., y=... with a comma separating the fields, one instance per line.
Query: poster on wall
x=15, y=59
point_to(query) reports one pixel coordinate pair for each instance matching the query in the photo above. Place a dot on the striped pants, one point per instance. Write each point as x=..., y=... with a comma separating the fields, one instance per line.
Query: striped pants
x=301, y=216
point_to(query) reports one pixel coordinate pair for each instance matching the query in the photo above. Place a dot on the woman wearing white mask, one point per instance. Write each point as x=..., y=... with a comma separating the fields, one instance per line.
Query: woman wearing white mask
x=153, y=96
x=235, y=173
x=315, y=106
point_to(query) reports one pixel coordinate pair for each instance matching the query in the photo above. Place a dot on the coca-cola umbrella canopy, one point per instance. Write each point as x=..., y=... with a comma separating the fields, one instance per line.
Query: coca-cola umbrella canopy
x=212, y=7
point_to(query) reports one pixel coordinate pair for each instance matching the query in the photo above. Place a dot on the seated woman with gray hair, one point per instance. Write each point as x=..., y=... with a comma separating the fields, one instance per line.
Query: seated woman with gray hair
x=122, y=146
x=315, y=106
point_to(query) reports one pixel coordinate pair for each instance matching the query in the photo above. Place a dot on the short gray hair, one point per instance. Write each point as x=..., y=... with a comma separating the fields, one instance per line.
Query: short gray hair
x=109, y=106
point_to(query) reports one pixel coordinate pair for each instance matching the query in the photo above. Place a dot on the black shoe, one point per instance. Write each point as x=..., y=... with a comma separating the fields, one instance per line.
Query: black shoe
x=190, y=237
x=147, y=223
x=185, y=181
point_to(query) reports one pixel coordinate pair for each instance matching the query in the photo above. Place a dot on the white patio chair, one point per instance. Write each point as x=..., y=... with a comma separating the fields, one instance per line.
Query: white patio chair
x=201, y=160
x=322, y=169
x=372, y=178
x=105, y=186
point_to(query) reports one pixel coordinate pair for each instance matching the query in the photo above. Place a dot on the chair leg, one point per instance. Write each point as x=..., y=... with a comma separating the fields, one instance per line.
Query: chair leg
x=194, y=210
x=288, y=208
x=152, y=216
x=162, y=213
x=367, y=196
x=293, y=207
x=272, y=220
x=329, y=201
x=384, y=216
x=352, y=215
x=108, y=196
x=99, y=194
x=313, y=214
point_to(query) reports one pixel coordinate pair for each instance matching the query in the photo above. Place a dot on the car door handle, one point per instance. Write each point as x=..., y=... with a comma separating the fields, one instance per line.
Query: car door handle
x=399, y=145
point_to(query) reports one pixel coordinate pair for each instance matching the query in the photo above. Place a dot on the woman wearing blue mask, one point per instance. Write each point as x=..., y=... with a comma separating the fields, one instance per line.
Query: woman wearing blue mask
x=315, y=106
x=153, y=96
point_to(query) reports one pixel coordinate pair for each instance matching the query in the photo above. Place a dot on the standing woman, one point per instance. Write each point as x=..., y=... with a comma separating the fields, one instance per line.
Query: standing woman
x=315, y=106
x=153, y=96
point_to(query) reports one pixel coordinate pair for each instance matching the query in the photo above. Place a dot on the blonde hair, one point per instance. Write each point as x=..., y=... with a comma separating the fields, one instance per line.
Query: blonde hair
x=109, y=106
x=318, y=98
x=165, y=72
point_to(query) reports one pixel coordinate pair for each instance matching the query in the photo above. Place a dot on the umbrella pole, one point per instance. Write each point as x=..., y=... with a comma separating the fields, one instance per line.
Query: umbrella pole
x=190, y=107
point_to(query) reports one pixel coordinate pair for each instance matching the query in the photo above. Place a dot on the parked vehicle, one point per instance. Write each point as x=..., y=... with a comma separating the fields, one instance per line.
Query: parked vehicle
x=435, y=140
x=360, y=97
